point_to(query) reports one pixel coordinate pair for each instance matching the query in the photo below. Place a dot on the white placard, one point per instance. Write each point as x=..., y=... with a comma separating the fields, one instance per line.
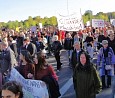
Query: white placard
x=98, y=23
x=31, y=88
x=88, y=23
x=70, y=23
x=112, y=22
x=40, y=24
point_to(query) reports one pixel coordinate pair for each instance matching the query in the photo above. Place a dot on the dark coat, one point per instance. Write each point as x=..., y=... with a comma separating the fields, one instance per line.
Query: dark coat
x=19, y=41
x=13, y=46
x=89, y=39
x=53, y=86
x=111, y=44
x=8, y=60
x=56, y=47
x=74, y=57
x=31, y=48
x=25, y=69
x=39, y=45
x=86, y=82
x=68, y=44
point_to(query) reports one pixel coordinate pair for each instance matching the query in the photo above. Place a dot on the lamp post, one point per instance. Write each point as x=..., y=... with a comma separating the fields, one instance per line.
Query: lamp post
x=67, y=8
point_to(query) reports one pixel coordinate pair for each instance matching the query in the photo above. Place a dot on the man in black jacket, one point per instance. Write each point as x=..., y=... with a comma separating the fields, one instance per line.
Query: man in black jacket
x=30, y=46
x=75, y=54
x=56, y=47
x=68, y=45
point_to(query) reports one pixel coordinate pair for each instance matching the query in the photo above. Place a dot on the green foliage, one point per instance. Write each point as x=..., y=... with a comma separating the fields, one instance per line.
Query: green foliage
x=33, y=21
x=53, y=20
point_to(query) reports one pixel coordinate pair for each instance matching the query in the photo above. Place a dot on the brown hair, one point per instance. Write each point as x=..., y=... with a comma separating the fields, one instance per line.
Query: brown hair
x=41, y=61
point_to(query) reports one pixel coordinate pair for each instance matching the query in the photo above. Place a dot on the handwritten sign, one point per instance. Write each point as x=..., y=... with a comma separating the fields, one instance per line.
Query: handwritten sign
x=31, y=88
x=98, y=23
x=70, y=23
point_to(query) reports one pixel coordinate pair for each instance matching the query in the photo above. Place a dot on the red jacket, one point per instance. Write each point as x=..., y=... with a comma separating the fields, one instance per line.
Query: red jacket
x=45, y=72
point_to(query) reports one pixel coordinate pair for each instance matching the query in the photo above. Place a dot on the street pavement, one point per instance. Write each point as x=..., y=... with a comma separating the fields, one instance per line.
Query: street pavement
x=66, y=81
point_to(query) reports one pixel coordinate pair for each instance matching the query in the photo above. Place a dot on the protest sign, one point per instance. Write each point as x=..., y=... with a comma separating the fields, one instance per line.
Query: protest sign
x=70, y=23
x=17, y=29
x=98, y=23
x=40, y=25
x=88, y=23
x=33, y=29
x=31, y=88
x=112, y=22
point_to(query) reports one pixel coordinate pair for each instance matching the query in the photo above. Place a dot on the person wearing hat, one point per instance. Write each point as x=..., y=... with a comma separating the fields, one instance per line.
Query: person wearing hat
x=105, y=62
x=75, y=54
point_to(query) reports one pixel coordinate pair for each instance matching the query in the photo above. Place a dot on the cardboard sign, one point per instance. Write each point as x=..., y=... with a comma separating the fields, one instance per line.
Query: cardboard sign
x=33, y=29
x=98, y=23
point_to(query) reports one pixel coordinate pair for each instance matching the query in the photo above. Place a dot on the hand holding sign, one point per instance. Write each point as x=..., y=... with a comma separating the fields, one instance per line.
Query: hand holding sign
x=30, y=76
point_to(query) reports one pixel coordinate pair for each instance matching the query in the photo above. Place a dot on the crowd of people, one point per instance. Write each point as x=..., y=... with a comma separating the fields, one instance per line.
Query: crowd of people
x=27, y=51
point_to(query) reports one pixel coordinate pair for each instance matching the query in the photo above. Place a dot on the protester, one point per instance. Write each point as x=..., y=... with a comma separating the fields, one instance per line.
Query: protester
x=68, y=45
x=46, y=73
x=13, y=46
x=105, y=62
x=75, y=54
x=26, y=67
x=8, y=60
x=20, y=38
x=12, y=89
x=39, y=44
x=30, y=46
x=86, y=79
x=56, y=47
x=111, y=41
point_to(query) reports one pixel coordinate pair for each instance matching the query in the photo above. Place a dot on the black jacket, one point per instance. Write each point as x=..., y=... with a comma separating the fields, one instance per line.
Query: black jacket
x=56, y=47
x=53, y=86
x=31, y=48
x=39, y=45
x=68, y=44
x=74, y=58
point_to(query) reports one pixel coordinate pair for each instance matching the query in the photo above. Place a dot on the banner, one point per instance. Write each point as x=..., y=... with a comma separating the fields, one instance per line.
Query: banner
x=31, y=88
x=98, y=23
x=70, y=23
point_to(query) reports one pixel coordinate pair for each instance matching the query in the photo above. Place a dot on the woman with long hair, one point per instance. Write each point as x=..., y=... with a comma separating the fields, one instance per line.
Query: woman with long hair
x=86, y=79
x=46, y=73
x=26, y=66
x=42, y=68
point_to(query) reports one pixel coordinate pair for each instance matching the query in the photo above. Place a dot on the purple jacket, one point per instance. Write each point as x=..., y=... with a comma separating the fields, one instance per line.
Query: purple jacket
x=110, y=60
